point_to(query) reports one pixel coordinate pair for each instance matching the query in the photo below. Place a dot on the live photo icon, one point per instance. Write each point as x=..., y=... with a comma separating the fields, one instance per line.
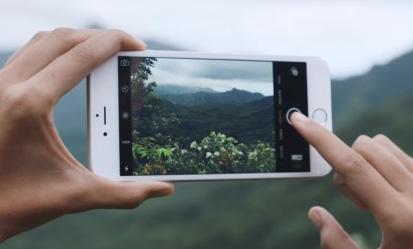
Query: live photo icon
x=124, y=63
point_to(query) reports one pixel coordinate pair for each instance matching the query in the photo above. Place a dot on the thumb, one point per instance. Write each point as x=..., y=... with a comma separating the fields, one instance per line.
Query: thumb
x=332, y=234
x=112, y=194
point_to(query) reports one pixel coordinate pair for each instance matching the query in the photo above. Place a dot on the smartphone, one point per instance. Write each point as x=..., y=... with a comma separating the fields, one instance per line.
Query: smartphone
x=182, y=116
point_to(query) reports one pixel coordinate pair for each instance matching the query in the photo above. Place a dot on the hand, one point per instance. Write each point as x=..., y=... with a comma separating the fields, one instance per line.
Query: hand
x=375, y=174
x=39, y=178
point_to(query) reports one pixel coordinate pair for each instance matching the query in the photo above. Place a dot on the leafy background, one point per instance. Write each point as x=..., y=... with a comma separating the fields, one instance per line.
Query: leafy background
x=238, y=214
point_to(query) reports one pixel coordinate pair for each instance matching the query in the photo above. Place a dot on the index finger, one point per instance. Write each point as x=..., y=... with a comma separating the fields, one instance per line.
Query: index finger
x=69, y=69
x=363, y=179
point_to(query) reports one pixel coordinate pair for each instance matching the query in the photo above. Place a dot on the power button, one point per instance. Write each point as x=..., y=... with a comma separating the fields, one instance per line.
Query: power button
x=289, y=112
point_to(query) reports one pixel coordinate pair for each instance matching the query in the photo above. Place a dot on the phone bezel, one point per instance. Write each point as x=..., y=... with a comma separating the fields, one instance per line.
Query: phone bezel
x=103, y=92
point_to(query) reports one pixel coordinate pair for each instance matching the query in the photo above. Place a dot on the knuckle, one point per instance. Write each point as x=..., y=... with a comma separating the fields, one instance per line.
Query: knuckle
x=116, y=32
x=118, y=35
x=353, y=163
x=362, y=143
x=39, y=35
x=62, y=32
x=26, y=102
x=84, y=52
x=66, y=36
x=380, y=138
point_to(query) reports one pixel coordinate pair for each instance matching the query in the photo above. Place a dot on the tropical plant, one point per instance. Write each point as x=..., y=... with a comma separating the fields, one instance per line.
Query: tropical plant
x=214, y=154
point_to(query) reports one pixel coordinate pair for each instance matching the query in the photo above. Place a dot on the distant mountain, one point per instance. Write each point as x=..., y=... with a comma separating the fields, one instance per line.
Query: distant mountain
x=382, y=84
x=232, y=97
x=176, y=89
x=248, y=122
x=392, y=118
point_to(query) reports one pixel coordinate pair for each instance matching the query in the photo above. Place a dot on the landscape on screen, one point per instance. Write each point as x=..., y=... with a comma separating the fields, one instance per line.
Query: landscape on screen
x=193, y=116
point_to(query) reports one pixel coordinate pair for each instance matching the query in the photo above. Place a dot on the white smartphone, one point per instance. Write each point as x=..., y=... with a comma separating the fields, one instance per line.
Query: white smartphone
x=182, y=116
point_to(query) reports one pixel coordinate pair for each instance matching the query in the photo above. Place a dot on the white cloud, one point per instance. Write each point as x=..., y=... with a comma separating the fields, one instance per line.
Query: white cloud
x=216, y=75
x=350, y=35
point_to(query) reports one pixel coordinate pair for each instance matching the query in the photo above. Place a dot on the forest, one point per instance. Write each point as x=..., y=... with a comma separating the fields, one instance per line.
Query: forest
x=192, y=130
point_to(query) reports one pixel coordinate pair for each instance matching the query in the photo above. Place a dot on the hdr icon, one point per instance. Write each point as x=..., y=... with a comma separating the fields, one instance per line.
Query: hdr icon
x=296, y=157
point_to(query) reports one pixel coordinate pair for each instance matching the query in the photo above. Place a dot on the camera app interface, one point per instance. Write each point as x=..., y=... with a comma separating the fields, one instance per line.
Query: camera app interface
x=203, y=116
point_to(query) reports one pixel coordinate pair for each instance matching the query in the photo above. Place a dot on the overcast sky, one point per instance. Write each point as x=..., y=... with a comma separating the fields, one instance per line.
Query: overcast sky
x=252, y=76
x=351, y=35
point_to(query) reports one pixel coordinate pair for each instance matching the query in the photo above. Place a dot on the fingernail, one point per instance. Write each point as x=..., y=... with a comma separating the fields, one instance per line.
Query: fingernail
x=315, y=217
x=299, y=117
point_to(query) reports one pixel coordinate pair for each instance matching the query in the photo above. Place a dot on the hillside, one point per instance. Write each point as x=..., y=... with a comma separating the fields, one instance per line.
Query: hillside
x=382, y=84
x=393, y=118
x=234, y=97
x=247, y=214
x=246, y=122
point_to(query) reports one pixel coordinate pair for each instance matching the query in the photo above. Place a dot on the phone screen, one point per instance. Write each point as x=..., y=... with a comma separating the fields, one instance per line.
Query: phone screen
x=181, y=116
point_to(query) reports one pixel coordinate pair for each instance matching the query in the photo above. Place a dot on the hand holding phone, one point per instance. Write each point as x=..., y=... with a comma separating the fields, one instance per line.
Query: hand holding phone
x=40, y=180
x=191, y=116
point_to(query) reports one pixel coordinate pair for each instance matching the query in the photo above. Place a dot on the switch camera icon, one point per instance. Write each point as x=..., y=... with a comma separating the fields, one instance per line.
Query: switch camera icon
x=124, y=63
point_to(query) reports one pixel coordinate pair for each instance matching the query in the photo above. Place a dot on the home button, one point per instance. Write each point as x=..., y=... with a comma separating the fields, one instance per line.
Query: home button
x=319, y=115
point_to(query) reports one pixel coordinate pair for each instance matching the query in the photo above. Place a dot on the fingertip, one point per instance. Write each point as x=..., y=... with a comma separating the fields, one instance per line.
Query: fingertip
x=172, y=188
x=113, y=194
x=300, y=122
x=130, y=42
x=315, y=216
x=169, y=188
x=143, y=45
x=299, y=118
x=158, y=189
x=332, y=234
x=140, y=45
